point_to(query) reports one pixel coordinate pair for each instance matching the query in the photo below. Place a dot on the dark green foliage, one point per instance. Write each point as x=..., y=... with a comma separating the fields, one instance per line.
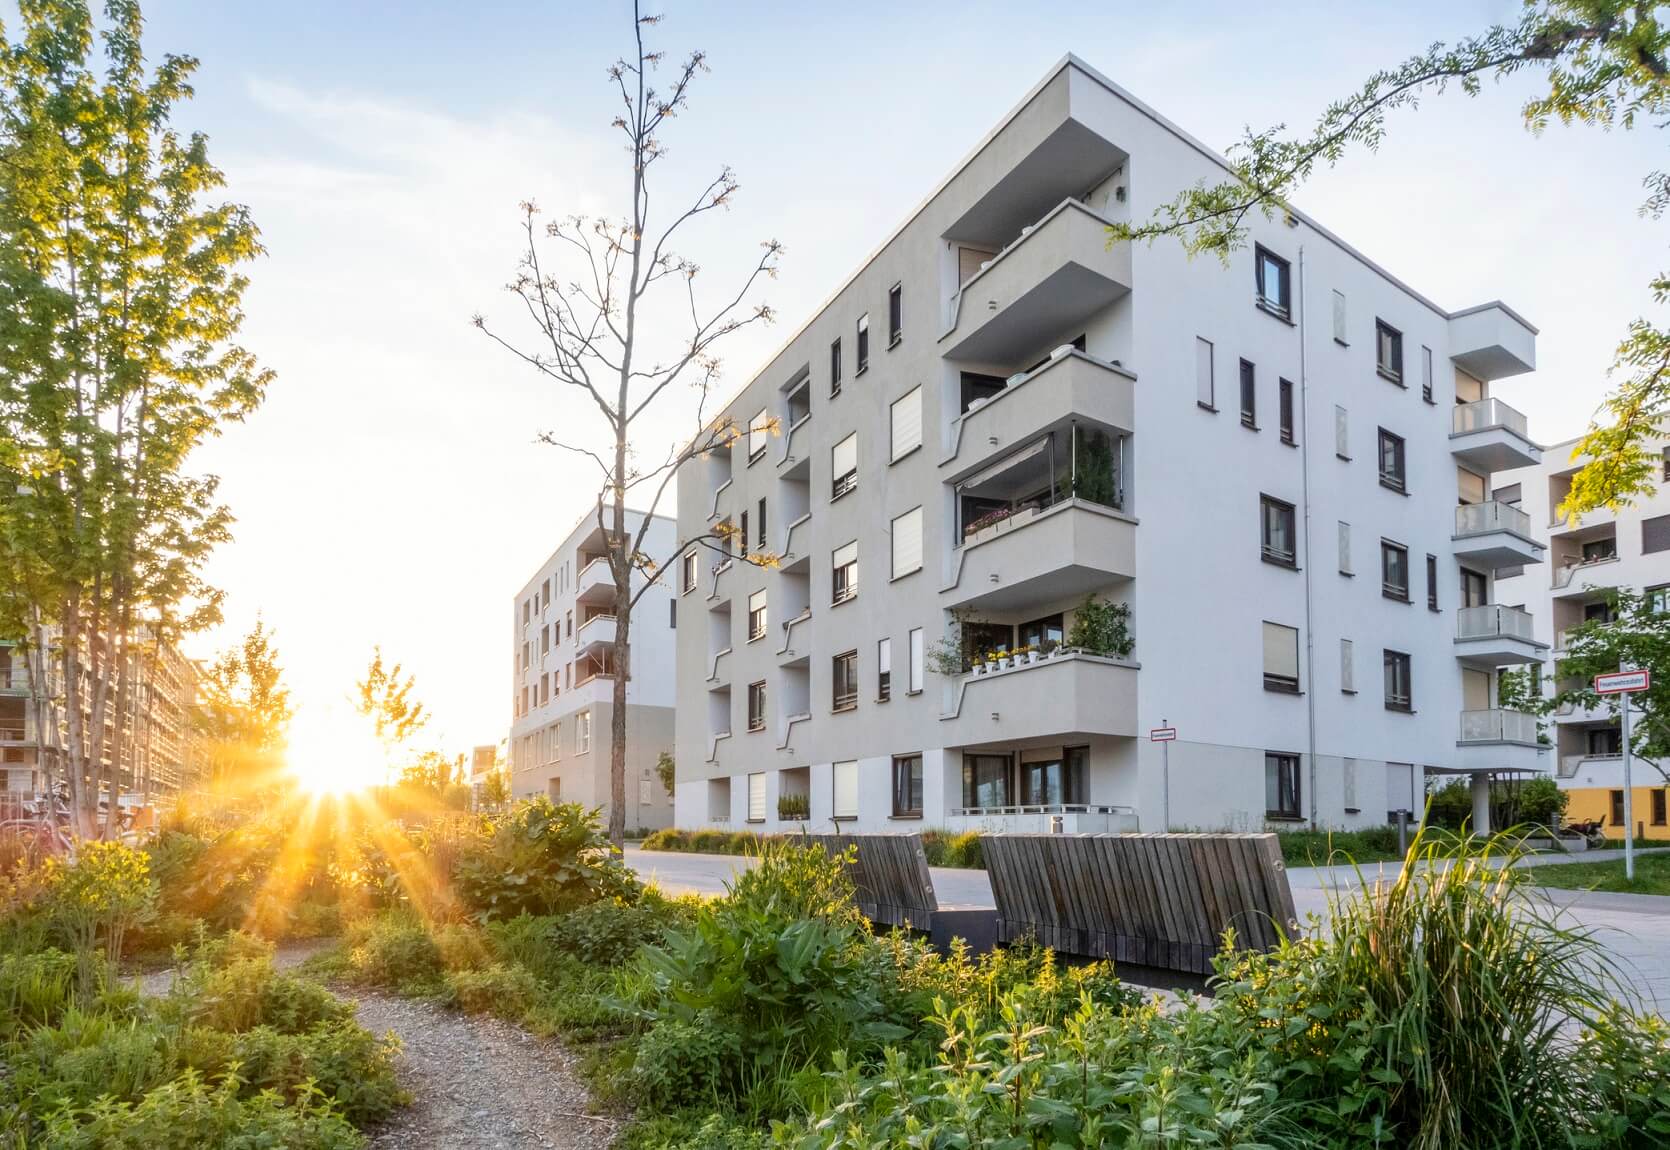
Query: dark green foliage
x=35, y=989
x=247, y=992
x=1329, y=848
x=686, y=1062
x=502, y=988
x=394, y=950
x=540, y=858
x=954, y=849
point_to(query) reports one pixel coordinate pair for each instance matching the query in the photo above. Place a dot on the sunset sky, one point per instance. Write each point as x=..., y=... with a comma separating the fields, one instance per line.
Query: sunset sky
x=391, y=490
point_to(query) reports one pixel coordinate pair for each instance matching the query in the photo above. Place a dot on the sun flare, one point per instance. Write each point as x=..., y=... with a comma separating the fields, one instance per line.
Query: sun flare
x=331, y=751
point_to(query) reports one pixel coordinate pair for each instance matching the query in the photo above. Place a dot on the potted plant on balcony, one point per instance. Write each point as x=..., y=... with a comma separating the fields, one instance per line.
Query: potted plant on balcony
x=794, y=808
x=1001, y=658
x=1031, y=653
x=1102, y=628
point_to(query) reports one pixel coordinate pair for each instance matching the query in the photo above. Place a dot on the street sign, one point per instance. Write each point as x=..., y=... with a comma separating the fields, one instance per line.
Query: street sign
x=1162, y=735
x=1623, y=682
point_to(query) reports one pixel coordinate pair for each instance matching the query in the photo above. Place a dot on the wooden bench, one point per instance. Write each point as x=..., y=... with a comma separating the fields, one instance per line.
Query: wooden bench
x=1159, y=900
x=891, y=875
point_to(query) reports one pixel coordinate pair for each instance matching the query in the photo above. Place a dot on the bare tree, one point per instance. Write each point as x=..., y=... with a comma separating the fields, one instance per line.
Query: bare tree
x=594, y=335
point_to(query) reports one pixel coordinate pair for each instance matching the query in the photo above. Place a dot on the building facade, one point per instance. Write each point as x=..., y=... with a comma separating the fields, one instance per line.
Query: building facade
x=1219, y=500
x=1588, y=557
x=563, y=631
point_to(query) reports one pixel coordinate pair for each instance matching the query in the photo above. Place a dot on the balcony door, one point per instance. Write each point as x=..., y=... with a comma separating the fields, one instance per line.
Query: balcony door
x=986, y=781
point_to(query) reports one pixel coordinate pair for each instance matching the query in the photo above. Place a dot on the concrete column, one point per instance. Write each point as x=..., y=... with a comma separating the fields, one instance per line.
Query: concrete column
x=1481, y=803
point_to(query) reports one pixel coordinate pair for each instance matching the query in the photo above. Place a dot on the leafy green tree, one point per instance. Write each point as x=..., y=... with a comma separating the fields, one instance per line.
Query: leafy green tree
x=385, y=698
x=620, y=321
x=666, y=770
x=120, y=303
x=1605, y=62
x=1636, y=635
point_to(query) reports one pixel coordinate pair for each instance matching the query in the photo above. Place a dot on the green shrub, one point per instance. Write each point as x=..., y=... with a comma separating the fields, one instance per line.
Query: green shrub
x=1323, y=848
x=953, y=849
x=686, y=1062
x=35, y=989
x=348, y=1064
x=711, y=842
x=248, y=992
x=609, y=933
x=394, y=950
x=507, y=990
x=540, y=858
x=460, y=946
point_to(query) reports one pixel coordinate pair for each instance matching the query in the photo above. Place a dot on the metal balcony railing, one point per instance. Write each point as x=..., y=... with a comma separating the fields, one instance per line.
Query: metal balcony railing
x=1485, y=414
x=1483, y=518
x=1498, y=725
x=1493, y=621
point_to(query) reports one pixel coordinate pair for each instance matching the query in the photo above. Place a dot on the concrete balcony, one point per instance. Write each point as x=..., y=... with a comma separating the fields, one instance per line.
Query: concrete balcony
x=1496, y=636
x=595, y=583
x=594, y=634
x=1070, y=386
x=1500, y=740
x=1495, y=535
x=1058, y=698
x=1571, y=765
x=1035, y=555
x=1581, y=579
x=1058, y=274
x=1491, y=342
x=1491, y=436
x=1076, y=819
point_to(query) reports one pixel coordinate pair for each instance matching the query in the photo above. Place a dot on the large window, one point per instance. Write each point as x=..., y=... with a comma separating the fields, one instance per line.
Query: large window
x=756, y=706
x=1055, y=781
x=1388, y=351
x=1399, y=696
x=756, y=615
x=907, y=543
x=1394, y=570
x=916, y=659
x=884, y=670
x=905, y=418
x=907, y=786
x=895, y=314
x=844, y=669
x=1281, y=658
x=1274, y=276
x=986, y=781
x=843, y=466
x=1082, y=463
x=863, y=360
x=1281, y=785
x=1276, y=531
x=844, y=573
x=1249, y=396
x=845, y=778
x=1391, y=461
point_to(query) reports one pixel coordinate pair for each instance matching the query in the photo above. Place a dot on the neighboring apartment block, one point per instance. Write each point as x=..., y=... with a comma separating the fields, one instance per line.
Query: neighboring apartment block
x=562, y=650
x=999, y=415
x=1587, y=557
x=161, y=752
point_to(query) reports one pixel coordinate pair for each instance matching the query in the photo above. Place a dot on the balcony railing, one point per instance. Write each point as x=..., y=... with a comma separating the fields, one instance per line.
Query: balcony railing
x=1075, y=818
x=1563, y=574
x=1483, y=414
x=1494, y=621
x=1484, y=518
x=1569, y=764
x=1498, y=725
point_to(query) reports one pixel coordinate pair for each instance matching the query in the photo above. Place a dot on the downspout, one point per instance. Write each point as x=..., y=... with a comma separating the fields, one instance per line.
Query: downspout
x=1304, y=487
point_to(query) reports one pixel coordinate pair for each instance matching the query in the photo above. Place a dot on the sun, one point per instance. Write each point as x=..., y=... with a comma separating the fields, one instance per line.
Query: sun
x=331, y=750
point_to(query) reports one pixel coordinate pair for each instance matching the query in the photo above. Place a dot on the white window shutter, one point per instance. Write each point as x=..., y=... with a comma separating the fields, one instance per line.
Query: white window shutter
x=907, y=542
x=1342, y=435
x=1281, y=651
x=884, y=657
x=756, y=796
x=1203, y=372
x=759, y=432
x=846, y=554
x=846, y=789
x=844, y=456
x=907, y=423
x=1339, y=317
x=916, y=654
x=1347, y=672
x=1344, y=548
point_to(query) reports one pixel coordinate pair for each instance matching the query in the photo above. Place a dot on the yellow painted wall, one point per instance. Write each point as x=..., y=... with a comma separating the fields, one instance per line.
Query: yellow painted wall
x=1596, y=803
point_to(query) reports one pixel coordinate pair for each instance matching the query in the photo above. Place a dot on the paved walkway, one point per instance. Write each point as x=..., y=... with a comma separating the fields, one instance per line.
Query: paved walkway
x=1636, y=927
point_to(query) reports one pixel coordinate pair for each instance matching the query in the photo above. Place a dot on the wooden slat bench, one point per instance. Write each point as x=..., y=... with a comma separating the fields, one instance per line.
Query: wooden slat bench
x=891, y=874
x=1159, y=900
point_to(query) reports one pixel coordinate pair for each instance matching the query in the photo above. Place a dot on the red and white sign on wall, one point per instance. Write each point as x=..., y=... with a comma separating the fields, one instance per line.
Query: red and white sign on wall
x=1623, y=682
x=1162, y=735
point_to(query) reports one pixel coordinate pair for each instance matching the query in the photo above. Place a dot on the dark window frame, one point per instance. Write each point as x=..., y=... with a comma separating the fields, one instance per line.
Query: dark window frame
x=843, y=580
x=1267, y=551
x=913, y=789
x=895, y=314
x=1615, y=807
x=1249, y=394
x=1391, y=658
x=1289, y=781
x=756, y=705
x=835, y=368
x=1388, y=588
x=1657, y=814
x=861, y=346
x=1389, y=367
x=1396, y=479
x=1432, y=582
x=1284, y=408
x=1279, y=304
x=844, y=667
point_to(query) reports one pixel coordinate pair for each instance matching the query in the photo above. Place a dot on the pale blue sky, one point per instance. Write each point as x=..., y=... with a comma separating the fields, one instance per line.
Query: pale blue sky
x=391, y=491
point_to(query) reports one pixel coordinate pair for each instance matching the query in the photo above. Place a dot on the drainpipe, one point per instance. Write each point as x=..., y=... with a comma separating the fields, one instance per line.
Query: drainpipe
x=1304, y=487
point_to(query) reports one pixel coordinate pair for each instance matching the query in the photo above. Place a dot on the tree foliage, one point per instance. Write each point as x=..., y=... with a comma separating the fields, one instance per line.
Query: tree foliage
x=1605, y=65
x=1637, y=636
x=243, y=711
x=386, y=698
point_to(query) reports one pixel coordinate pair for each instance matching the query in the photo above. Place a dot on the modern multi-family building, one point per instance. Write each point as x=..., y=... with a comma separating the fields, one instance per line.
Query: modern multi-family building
x=1249, y=472
x=1589, y=556
x=562, y=647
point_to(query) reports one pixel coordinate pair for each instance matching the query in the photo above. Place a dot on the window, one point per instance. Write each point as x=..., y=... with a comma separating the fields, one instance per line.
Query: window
x=672, y=613
x=1281, y=785
x=582, y=732
x=527, y=611
x=1339, y=317
x=1604, y=741
x=1394, y=570
x=1511, y=494
x=756, y=615
x=1249, y=397
x=845, y=573
x=844, y=466
x=1273, y=282
x=756, y=706
x=1204, y=392
x=845, y=777
x=1345, y=548
x=545, y=640
x=895, y=314
x=742, y=535
x=1432, y=582
x=1276, y=531
x=916, y=657
x=1347, y=667
x=759, y=434
x=1285, y=394
x=1398, y=695
x=1281, y=658
x=1048, y=631
x=835, y=369
x=1597, y=550
x=1470, y=487
x=863, y=360
x=907, y=786
x=1657, y=598
x=905, y=419
x=907, y=543
x=1658, y=806
x=884, y=670
x=1342, y=433
x=556, y=741
x=1474, y=589
x=1391, y=461
x=1054, y=781
x=759, y=527
x=985, y=781
x=845, y=690
x=1617, y=798
x=1388, y=351
x=756, y=797
x=1655, y=536
x=1426, y=373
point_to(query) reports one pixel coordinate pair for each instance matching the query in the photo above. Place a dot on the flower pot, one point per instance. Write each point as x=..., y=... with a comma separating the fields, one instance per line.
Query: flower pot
x=1031, y=657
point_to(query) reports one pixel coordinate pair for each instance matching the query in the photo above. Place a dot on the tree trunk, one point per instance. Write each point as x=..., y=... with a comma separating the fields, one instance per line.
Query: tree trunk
x=620, y=563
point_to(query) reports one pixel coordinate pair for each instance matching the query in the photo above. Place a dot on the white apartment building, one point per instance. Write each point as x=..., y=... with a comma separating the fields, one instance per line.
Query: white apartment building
x=562, y=650
x=999, y=415
x=1588, y=557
